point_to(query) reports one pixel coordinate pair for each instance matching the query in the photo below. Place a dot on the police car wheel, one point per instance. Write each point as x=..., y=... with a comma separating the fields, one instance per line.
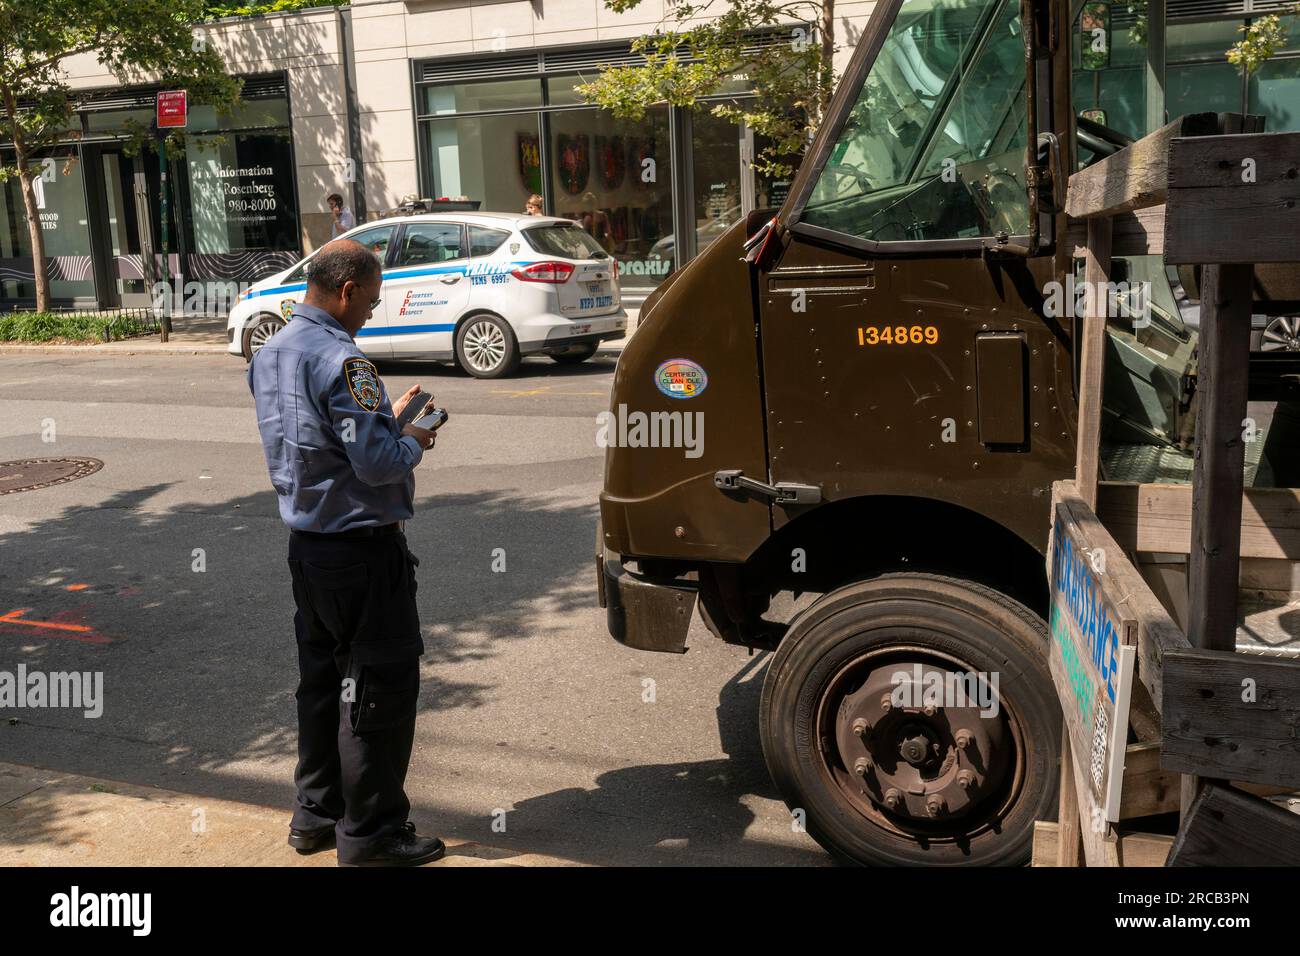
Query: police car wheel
x=486, y=347
x=1281, y=335
x=575, y=355
x=257, y=334
x=883, y=778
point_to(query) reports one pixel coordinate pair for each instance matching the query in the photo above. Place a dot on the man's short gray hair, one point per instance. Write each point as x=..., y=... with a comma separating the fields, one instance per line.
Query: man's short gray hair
x=341, y=261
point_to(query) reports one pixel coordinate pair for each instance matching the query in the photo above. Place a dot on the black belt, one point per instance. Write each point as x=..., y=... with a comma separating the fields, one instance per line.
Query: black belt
x=369, y=531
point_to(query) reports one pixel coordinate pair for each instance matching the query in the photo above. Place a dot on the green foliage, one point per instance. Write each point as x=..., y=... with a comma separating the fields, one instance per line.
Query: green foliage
x=54, y=327
x=1138, y=31
x=215, y=11
x=1264, y=37
x=791, y=78
x=136, y=40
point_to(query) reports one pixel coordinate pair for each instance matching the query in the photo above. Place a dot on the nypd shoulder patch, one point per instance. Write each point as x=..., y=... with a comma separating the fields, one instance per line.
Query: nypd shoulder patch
x=363, y=382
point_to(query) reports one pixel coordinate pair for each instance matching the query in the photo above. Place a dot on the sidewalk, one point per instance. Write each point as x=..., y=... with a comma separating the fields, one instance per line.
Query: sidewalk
x=207, y=335
x=49, y=818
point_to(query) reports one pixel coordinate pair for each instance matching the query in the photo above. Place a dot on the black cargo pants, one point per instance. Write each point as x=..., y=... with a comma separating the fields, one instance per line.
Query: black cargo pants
x=359, y=646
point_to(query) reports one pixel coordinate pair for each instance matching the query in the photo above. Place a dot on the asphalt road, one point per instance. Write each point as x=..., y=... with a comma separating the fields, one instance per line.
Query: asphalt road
x=527, y=705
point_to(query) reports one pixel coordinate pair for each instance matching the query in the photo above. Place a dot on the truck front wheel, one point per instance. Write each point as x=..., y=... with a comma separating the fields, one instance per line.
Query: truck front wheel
x=911, y=720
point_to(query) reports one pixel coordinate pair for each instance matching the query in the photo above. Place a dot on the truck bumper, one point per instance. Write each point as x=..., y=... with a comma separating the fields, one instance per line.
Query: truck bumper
x=640, y=612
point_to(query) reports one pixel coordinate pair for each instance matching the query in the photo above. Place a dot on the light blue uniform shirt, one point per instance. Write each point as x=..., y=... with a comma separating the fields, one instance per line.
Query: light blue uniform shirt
x=336, y=456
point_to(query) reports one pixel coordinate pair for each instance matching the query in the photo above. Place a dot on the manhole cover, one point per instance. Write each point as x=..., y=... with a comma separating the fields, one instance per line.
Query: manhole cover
x=32, y=473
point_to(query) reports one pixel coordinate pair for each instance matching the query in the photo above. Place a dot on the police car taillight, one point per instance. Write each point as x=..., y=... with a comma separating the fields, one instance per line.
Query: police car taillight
x=554, y=272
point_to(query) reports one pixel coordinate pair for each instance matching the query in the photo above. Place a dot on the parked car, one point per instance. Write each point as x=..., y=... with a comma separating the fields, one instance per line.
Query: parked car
x=479, y=289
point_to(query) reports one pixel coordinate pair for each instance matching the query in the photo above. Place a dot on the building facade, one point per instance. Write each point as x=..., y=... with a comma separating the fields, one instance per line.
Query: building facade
x=388, y=100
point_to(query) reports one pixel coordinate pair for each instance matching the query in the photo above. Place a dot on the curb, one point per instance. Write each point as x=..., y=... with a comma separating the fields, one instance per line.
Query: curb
x=48, y=818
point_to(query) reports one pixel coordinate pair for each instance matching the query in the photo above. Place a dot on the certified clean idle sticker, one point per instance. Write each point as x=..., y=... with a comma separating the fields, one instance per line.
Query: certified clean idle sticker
x=681, y=378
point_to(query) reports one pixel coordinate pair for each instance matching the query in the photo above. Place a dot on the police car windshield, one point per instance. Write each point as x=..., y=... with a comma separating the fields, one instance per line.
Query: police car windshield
x=569, y=241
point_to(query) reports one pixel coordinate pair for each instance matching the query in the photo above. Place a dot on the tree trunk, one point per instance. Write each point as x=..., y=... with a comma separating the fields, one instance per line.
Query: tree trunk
x=23, y=158
x=37, y=235
x=827, y=85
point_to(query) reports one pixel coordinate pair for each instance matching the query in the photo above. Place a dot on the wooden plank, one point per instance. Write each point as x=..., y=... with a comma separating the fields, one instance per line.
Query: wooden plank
x=1069, y=841
x=1158, y=518
x=1093, y=360
x=1137, y=233
x=1144, y=849
x=1137, y=175
x=1233, y=199
x=1228, y=828
x=1044, y=844
x=1150, y=790
x=1134, y=849
x=1096, y=835
x=1091, y=654
x=1210, y=730
x=1157, y=634
x=1222, y=378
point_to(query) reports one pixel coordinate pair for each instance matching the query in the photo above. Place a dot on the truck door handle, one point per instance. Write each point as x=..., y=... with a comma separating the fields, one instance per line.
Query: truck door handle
x=781, y=493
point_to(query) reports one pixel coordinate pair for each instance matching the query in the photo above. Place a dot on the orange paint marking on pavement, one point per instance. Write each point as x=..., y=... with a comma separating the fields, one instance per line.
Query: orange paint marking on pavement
x=76, y=587
x=78, y=632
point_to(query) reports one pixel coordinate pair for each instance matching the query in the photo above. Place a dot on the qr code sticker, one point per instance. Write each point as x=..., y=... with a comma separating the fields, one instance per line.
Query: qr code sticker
x=1097, y=765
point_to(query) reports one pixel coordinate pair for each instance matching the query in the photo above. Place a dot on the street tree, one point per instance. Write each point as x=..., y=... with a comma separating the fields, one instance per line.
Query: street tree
x=782, y=49
x=136, y=40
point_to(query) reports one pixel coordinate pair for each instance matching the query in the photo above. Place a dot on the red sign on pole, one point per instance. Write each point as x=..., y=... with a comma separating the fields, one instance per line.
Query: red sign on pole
x=172, y=109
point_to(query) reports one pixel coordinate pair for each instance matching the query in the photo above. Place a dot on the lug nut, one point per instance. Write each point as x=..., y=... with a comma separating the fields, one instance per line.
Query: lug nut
x=893, y=798
x=965, y=779
x=963, y=739
x=934, y=805
x=886, y=704
x=859, y=727
x=861, y=766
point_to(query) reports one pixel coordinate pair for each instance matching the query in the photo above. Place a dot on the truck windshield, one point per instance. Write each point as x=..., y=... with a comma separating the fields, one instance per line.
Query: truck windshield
x=934, y=147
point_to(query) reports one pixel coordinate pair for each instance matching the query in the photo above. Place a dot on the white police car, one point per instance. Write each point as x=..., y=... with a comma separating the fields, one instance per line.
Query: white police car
x=481, y=289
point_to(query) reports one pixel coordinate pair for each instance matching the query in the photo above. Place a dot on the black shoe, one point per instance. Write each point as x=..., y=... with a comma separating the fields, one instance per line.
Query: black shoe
x=403, y=847
x=309, y=841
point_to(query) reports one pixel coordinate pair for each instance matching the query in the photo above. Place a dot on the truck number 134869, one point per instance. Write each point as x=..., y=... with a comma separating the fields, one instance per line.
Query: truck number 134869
x=898, y=335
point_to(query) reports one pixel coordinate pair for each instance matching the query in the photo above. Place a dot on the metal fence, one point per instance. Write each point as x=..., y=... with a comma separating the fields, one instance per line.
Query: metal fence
x=141, y=321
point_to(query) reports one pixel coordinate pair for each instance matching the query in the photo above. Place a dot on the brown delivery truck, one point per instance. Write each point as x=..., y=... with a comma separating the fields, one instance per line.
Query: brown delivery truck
x=837, y=429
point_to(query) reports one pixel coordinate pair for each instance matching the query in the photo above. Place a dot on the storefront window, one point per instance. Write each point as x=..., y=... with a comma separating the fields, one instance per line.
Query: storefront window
x=495, y=159
x=61, y=201
x=1275, y=93
x=251, y=114
x=500, y=141
x=1210, y=87
x=714, y=153
x=241, y=194
x=481, y=96
x=614, y=178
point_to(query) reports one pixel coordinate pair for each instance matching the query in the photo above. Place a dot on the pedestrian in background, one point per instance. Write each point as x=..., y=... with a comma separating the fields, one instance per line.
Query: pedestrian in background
x=534, y=205
x=343, y=218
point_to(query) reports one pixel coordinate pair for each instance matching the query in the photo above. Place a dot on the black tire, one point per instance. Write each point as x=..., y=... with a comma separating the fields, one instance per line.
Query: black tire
x=576, y=354
x=475, y=345
x=881, y=623
x=262, y=328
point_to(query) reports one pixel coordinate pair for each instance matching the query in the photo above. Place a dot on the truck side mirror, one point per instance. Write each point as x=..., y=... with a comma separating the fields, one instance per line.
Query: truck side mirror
x=1094, y=36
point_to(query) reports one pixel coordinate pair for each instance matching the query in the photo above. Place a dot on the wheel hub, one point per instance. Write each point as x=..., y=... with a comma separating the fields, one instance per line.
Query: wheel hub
x=919, y=747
